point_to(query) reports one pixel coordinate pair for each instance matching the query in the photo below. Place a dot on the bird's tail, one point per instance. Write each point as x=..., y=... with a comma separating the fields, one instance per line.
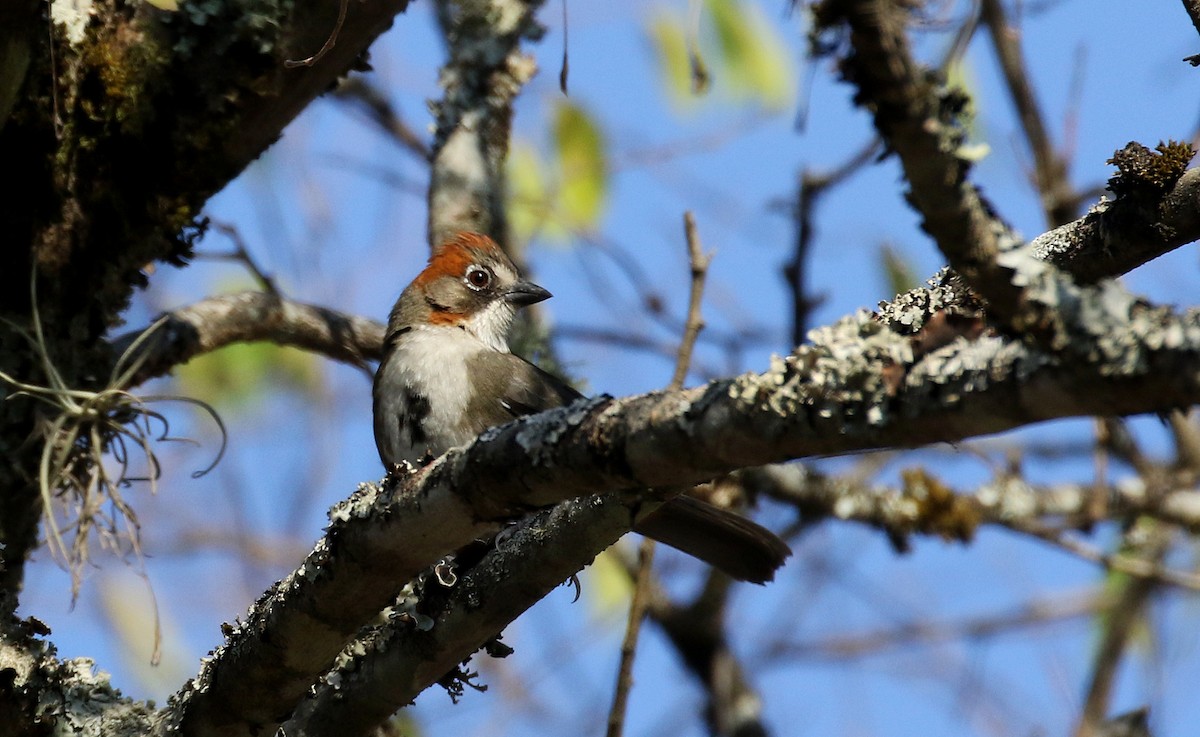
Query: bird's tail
x=723, y=539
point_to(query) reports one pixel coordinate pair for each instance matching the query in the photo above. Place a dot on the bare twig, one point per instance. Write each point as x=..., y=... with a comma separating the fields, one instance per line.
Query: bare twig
x=242, y=255
x=564, y=71
x=1059, y=200
x=384, y=114
x=1149, y=570
x=1131, y=597
x=1035, y=613
x=698, y=262
x=811, y=187
x=633, y=626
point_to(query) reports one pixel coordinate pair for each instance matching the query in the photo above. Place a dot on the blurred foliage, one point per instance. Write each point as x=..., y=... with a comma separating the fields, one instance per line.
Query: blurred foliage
x=743, y=52
x=582, y=165
x=900, y=274
x=608, y=586
x=961, y=76
x=556, y=198
x=143, y=627
x=239, y=375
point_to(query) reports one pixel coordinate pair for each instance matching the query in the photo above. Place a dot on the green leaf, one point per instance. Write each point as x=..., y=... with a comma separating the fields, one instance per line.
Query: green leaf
x=239, y=373
x=529, y=206
x=607, y=587
x=583, y=167
x=755, y=59
x=670, y=46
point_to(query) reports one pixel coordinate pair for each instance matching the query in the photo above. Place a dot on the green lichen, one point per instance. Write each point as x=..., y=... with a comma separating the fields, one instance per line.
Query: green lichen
x=125, y=63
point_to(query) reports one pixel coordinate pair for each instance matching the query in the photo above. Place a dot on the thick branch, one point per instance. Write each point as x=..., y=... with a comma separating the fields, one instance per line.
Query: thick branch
x=1118, y=236
x=920, y=121
x=180, y=335
x=832, y=397
x=398, y=662
x=483, y=75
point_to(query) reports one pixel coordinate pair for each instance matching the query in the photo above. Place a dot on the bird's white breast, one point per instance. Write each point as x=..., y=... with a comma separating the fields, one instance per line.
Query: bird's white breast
x=430, y=362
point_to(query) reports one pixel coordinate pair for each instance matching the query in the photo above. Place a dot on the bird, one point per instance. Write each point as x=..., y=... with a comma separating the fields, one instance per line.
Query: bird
x=447, y=374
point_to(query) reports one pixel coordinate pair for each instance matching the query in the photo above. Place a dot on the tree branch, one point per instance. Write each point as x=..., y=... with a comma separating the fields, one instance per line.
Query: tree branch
x=1059, y=201
x=921, y=122
x=483, y=75
x=834, y=396
x=178, y=336
x=1115, y=237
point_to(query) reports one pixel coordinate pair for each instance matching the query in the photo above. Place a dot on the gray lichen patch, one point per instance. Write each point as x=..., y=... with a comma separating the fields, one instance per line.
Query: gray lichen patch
x=839, y=378
x=73, y=16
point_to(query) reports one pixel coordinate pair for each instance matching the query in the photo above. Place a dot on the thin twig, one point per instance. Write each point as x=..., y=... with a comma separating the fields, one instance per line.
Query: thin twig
x=565, y=70
x=1150, y=570
x=1034, y=613
x=698, y=261
x=383, y=113
x=637, y=612
x=1127, y=610
x=242, y=255
x=811, y=187
x=1058, y=197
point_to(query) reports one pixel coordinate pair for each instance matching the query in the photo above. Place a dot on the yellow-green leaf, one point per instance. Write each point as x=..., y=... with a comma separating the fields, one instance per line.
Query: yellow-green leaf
x=170, y=5
x=607, y=586
x=529, y=208
x=670, y=46
x=753, y=55
x=583, y=167
x=238, y=373
x=901, y=276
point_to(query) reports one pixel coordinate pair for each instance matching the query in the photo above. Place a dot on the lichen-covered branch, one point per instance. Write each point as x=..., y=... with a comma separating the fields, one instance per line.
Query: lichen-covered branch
x=480, y=80
x=920, y=120
x=924, y=506
x=126, y=118
x=391, y=666
x=42, y=693
x=180, y=335
x=834, y=396
x=1117, y=236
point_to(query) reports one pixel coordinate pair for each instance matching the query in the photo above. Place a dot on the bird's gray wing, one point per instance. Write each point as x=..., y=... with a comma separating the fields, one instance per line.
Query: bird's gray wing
x=508, y=387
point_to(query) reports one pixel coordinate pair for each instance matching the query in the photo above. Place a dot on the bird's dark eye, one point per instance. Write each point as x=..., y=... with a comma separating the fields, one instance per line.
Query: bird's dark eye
x=478, y=277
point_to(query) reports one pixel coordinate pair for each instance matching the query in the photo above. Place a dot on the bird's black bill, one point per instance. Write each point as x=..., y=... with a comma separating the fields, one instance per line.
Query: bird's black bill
x=526, y=293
